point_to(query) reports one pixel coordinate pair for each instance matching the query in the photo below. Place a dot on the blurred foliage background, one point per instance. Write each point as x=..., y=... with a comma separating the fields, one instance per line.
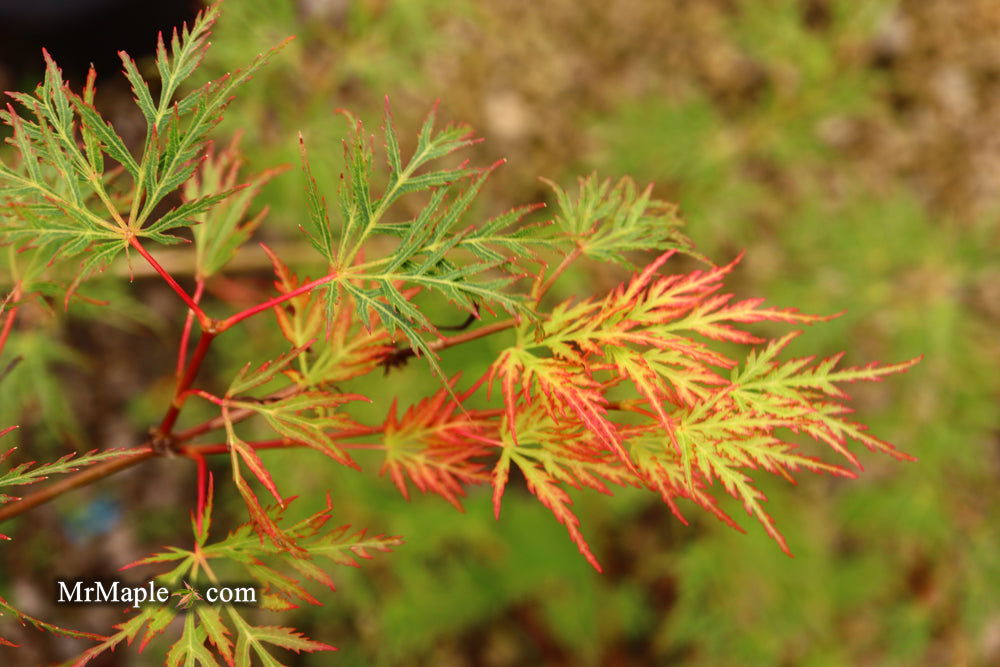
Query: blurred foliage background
x=850, y=148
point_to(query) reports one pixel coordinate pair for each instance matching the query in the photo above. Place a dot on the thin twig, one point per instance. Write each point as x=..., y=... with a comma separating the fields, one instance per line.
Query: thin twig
x=8, y=324
x=202, y=488
x=209, y=449
x=83, y=478
x=203, y=319
x=176, y=442
x=271, y=303
x=104, y=469
x=186, y=333
x=197, y=357
x=401, y=355
x=543, y=288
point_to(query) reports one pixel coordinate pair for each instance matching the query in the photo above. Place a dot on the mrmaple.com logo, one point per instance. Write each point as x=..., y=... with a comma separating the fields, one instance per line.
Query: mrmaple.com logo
x=117, y=592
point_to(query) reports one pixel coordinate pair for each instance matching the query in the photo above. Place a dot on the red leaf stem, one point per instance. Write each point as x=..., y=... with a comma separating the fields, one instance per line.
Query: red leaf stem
x=197, y=357
x=271, y=303
x=186, y=333
x=203, y=319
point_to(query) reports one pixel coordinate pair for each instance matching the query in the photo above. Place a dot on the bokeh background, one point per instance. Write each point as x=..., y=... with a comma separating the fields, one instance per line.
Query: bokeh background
x=851, y=149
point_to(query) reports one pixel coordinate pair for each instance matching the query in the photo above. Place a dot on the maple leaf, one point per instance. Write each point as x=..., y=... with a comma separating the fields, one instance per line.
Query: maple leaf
x=250, y=378
x=313, y=542
x=564, y=389
x=766, y=384
x=66, y=205
x=25, y=619
x=213, y=632
x=649, y=340
x=241, y=452
x=23, y=473
x=543, y=486
x=190, y=650
x=437, y=252
x=435, y=444
x=153, y=619
x=606, y=221
x=550, y=453
x=29, y=472
x=254, y=637
x=307, y=418
x=218, y=205
x=218, y=634
x=304, y=418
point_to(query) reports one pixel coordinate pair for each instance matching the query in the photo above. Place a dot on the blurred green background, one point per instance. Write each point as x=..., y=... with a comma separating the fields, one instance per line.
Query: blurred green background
x=850, y=148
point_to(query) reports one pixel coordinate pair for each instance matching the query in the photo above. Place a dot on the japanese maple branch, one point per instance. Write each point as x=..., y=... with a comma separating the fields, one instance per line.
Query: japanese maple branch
x=138, y=454
x=208, y=333
x=210, y=329
x=76, y=480
x=445, y=342
x=147, y=451
x=208, y=449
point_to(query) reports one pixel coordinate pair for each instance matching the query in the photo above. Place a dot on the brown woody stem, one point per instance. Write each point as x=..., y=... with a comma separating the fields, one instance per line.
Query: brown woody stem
x=445, y=342
x=82, y=478
x=451, y=341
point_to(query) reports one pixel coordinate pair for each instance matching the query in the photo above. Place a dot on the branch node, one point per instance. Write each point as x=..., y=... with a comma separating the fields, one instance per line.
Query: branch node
x=163, y=444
